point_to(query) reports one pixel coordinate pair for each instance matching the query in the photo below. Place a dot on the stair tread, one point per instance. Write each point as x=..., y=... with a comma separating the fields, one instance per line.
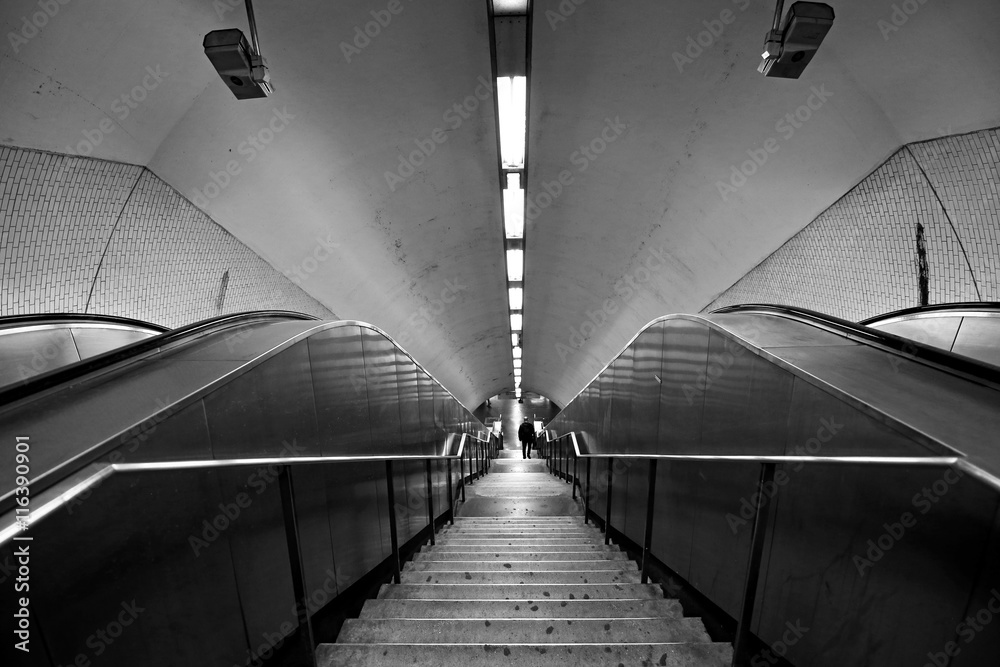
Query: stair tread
x=530, y=577
x=479, y=591
x=510, y=565
x=521, y=608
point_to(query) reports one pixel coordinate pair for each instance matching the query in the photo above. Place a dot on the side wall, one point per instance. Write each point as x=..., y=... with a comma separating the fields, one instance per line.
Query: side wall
x=862, y=256
x=81, y=235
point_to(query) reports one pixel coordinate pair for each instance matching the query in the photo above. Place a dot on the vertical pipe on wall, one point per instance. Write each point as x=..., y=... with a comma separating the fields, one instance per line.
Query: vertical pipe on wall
x=586, y=497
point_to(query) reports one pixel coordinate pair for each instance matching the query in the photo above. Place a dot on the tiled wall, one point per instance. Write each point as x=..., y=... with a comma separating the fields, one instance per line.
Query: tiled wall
x=859, y=257
x=83, y=235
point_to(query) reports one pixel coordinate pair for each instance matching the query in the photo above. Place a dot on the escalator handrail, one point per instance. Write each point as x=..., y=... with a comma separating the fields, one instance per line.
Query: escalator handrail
x=947, y=361
x=932, y=461
x=100, y=472
x=12, y=321
x=940, y=308
x=75, y=371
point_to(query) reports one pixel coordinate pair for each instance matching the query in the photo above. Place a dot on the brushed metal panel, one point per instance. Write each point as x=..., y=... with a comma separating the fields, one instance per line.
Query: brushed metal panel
x=821, y=424
x=768, y=406
x=674, y=514
x=647, y=373
x=979, y=338
x=413, y=505
x=430, y=435
x=908, y=600
x=938, y=332
x=315, y=539
x=409, y=406
x=682, y=397
x=720, y=533
x=726, y=389
x=130, y=542
x=619, y=492
x=621, y=409
x=383, y=394
x=980, y=643
x=337, y=361
x=267, y=411
x=259, y=549
x=636, y=500
x=356, y=506
x=168, y=436
x=29, y=353
x=605, y=407
x=92, y=341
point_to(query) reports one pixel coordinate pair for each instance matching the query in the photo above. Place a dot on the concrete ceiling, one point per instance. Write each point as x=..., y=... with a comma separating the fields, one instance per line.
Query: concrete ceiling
x=423, y=259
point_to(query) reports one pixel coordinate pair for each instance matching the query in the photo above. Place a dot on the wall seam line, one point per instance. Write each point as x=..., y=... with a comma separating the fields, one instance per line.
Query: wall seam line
x=111, y=236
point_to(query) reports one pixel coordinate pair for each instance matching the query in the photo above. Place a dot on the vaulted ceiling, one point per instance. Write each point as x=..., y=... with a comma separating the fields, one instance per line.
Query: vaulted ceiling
x=641, y=120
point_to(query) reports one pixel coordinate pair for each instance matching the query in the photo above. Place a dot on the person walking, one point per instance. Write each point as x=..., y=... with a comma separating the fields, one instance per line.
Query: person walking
x=526, y=434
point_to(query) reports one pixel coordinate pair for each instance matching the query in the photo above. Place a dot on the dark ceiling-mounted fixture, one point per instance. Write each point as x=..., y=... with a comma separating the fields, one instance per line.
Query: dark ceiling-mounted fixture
x=240, y=65
x=788, y=48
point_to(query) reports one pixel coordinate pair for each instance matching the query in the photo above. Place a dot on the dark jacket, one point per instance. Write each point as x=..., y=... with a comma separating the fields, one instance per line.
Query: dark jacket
x=525, y=432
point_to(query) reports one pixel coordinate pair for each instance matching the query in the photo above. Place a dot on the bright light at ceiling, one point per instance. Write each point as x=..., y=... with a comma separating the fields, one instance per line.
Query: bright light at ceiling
x=517, y=352
x=516, y=298
x=515, y=265
x=512, y=100
x=513, y=207
x=515, y=340
x=517, y=391
x=515, y=322
x=517, y=364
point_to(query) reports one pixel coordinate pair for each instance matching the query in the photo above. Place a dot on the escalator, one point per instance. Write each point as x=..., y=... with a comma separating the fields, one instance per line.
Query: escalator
x=218, y=495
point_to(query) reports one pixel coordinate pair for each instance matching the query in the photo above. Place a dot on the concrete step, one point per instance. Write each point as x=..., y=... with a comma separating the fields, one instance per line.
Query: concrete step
x=523, y=631
x=490, y=609
x=506, y=534
x=526, y=541
x=480, y=591
x=512, y=655
x=497, y=548
x=513, y=578
x=509, y=556
x=517, y=566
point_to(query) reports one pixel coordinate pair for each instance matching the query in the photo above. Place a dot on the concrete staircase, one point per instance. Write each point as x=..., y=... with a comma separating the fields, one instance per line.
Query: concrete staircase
x=522, y=591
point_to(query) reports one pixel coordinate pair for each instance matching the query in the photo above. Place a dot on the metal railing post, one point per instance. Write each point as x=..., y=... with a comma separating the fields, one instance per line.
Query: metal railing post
x=295, y=556
x=390, y=486
x=586, y=497
x=451, y=497
x=430, y=498
x=461, y=472
x=647, y=541
x=607, y=510
x=576, y=471
x=741, y=644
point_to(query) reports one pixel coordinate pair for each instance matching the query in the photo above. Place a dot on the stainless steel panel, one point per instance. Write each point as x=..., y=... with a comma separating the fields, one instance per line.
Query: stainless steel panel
x=768, y=407
x=979, y=338
x=682, y=392
x=621, y=408
x=341, y=388
x=938, y=332
x=409, y=406
x=259, y=549
x=674, y=514
x=635, y=501
x=26, y=354
x=430, y=436
x=980, y=644
x=767, y=331
x=890, y=604
x=315, y=538
x=647, y=374
x=383, y=394
x=168, y=436
x=269, y=410
x=821, y=424
x=131, y=544
x=726, y=412
x=356, y=506
x=92, y=341
x=605, y=407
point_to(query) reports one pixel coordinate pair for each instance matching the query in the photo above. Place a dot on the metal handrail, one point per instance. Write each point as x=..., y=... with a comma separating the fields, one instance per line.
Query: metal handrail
x=768, y=464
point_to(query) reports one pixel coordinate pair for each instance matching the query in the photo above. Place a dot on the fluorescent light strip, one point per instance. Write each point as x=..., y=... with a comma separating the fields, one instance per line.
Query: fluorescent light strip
x=515, y=321
x=513, y=207
x=516, y=352
x=515, y=265
x=512, y=102
x=516, y=298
